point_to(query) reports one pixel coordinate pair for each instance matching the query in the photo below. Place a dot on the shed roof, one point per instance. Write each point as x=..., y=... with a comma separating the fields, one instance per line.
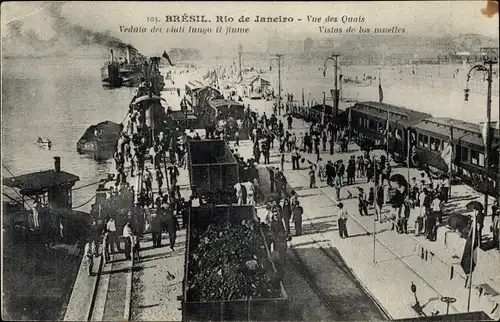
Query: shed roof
x=195, y=84
x=249, y=79
x=39, y=182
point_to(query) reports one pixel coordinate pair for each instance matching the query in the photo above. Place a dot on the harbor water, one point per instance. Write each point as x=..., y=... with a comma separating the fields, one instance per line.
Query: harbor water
x=56, y=99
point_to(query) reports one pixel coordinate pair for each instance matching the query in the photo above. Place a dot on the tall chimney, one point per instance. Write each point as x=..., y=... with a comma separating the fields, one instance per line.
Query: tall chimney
x=128, y=54
x=57, y=164
x=112, y=58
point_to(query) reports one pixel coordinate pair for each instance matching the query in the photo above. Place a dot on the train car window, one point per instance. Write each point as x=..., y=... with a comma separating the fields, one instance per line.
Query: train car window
x=426, y=141
x=372, y=125
x=435, y=144
x=420, y=140
x=464, y=154
x=477, y=158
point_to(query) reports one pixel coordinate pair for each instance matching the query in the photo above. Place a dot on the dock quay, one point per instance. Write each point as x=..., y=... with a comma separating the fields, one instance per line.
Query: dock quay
x=355, y=278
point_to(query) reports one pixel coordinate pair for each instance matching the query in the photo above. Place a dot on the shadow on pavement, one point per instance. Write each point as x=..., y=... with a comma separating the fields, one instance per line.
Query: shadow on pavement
x=318, y=227
x=321, y=287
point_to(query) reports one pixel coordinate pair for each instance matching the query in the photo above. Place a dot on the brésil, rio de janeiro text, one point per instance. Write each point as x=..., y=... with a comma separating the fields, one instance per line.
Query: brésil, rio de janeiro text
x=186, y=18
x=256, y=19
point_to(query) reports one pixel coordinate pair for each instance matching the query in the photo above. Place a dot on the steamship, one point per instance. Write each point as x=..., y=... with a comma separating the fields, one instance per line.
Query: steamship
x=123, y=71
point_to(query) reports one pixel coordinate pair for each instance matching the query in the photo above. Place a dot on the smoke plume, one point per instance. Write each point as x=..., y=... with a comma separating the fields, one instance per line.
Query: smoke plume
x=46, y=33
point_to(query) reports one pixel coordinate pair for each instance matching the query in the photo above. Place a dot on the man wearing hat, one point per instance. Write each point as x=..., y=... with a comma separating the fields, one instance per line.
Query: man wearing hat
x=297, y=218
x=342, y=221
x=362, y=202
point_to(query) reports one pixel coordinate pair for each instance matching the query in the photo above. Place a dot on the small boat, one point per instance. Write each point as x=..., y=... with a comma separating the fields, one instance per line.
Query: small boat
x=42, y=143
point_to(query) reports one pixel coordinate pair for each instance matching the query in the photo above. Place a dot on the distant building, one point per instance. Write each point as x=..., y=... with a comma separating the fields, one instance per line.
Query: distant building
x=253, y=86
x=308, y=44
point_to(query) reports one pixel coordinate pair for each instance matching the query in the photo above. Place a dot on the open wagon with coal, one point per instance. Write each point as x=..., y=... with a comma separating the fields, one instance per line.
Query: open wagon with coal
x=228, y=273
x=213, y=171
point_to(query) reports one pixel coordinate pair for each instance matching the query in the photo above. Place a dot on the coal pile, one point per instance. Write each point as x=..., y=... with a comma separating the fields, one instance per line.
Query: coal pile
x=229, y=262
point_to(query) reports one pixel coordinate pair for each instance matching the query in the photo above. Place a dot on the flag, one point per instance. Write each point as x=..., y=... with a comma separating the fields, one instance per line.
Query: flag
x=165, y=55
x=380, y=92
x=412, y=141
x=470, y=249
x=447, y=154
x=484, y=131
x=386, y=131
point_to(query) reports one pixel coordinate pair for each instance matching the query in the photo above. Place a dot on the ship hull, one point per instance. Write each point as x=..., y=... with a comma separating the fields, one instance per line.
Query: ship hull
x=102, y=146
x=110, y=76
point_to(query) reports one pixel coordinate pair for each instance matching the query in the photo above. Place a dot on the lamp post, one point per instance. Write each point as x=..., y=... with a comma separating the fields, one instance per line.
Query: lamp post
x=490, y=58
x=416, y=307
x=278, y=59
x=334, y=58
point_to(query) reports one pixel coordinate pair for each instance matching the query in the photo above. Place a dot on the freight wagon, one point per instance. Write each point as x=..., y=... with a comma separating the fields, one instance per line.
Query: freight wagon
x=213, y=170
x=248, y=309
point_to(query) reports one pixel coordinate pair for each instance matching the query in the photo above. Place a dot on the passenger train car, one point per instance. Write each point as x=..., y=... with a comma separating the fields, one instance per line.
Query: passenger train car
x=428, y=137
x=432, y=135
x=369, y=121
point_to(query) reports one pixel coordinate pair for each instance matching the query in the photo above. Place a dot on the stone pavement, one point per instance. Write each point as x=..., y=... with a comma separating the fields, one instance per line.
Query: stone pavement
x=157, y=279
x=112, y=300
x=80, y=303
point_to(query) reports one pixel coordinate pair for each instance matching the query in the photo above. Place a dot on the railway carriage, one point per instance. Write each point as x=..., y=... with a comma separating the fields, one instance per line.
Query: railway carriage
x=369, y=121
x=433, y=134
x=429, y=136
x=225, y=109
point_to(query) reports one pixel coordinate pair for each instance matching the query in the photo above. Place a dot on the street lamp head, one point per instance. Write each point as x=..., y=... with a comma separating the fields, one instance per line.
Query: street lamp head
x=270, y=67
x=324, y=72
x=413, y=288
x=466, y=92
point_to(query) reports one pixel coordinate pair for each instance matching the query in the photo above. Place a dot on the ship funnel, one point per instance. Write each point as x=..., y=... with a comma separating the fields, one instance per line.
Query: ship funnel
x=57, y=164
x=111, y=57
x=128, y=54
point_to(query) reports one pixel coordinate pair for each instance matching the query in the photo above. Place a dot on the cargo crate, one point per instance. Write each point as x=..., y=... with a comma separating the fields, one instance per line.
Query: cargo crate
x=212, y=168
x=251, y=309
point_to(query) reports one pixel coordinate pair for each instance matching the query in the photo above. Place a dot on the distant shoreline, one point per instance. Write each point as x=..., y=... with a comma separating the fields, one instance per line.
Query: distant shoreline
x=52, y=57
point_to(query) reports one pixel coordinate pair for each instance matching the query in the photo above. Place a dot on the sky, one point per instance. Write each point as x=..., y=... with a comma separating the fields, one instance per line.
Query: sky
x=433, y=18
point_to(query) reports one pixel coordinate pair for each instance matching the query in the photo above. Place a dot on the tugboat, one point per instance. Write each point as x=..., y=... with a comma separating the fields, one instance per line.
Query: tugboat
x=110, y=73
x=131, y=70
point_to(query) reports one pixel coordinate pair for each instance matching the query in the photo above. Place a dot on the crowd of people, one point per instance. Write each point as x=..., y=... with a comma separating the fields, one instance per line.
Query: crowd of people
x=131, y=207
x=393, y=198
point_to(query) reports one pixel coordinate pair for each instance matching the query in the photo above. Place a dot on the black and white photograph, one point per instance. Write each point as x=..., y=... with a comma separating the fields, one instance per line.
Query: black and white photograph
x=250, y=161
